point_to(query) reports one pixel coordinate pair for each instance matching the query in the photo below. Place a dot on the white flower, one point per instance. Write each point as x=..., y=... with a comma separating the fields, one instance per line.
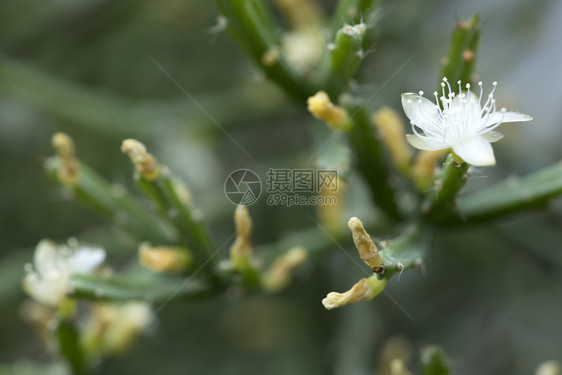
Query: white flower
x=461, y=122
x=47, y=282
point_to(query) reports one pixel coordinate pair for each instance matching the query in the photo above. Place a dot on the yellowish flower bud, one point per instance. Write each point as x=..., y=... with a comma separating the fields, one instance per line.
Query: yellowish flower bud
x=367, y=249
x=278, y=275
x=143, y=161
x=391, y=129
x=113, y=328
x=423, y=170
x=322, y=108
x=68, y=172
x=301, y=13
x=395, y=348
x=241, y=249
x=164, y=259
x=549, y=368
x=183, y=192
x=270, y=57
x=363, y=290
x=331, y=214
x=398, y=367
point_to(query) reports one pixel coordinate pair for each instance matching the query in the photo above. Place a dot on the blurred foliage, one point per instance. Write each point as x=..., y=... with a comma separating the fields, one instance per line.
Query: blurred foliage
x=489, y=294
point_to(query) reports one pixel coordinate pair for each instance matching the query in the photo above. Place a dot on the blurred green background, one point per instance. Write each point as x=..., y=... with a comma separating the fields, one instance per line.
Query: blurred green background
x=491, y=295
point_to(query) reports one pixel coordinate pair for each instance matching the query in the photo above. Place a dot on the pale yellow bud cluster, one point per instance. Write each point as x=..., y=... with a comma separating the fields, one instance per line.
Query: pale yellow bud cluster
x=112, y=328
x=423, y=169
x=321, y=107
x=367, y=249
x=68, y=172
x=364, y=290
x=143, y=161
x=278, y=276
x=164, y=258
x=241, y=250
x=391, y=130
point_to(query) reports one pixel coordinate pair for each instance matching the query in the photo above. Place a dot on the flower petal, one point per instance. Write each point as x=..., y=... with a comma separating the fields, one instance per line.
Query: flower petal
x=47, y=258
x=507, y=116
x=419, y=110
x=86, y=259
x=425, y=143
x=492, y=136
x=476, y=151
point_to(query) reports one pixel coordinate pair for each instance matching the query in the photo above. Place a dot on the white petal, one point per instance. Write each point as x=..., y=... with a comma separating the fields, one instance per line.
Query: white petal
x=507, y=116
x=425, y=143
x=86, y=259
x=48, y=291
x=47, y=258
x=476, y=151
x=419, y=110
x=492, y=136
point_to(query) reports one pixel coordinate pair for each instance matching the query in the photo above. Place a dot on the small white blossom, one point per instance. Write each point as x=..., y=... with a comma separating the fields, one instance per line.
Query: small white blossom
x=47, y=279
x=461, y=122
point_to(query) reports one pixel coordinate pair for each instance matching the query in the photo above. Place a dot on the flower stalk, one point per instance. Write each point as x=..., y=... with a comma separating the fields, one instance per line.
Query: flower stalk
x=170, y=197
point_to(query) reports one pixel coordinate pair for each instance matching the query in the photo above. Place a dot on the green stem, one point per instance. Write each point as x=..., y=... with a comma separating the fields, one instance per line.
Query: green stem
x=459, y=64
x=405, y=252
x=252, y=26
x=371, y=160
x=441, y=199
x=97, y=193
x=511, y=196
x=163, y=192
x=341, y=63
x=122, y=288
x=69, y=345
x=351, y=12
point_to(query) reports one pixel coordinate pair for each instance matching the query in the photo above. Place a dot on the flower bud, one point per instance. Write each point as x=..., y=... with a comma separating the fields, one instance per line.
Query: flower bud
x=398, y=367
x=331, y=214
x=363, y=290
x=68, y=172
x=367, y=249
x=391, y=130
x=241, y=249
x=163, y=258
x=549, y=368
x=423, y=170
x=278, y=276
x=322, y=108
x=143, y=161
